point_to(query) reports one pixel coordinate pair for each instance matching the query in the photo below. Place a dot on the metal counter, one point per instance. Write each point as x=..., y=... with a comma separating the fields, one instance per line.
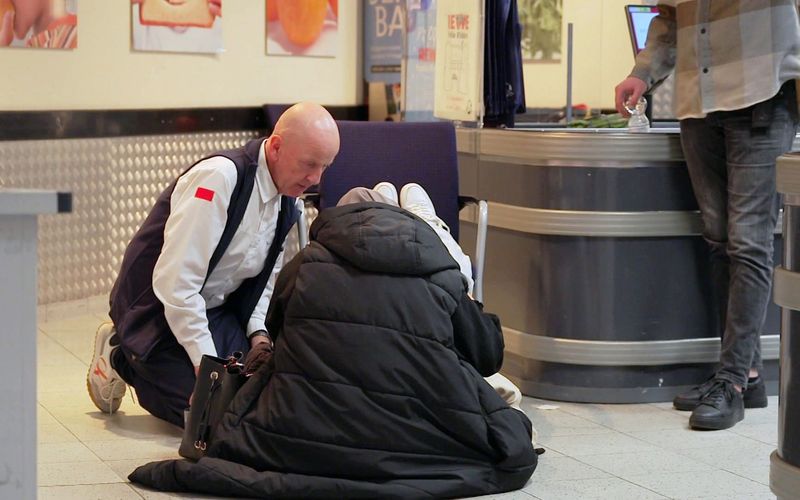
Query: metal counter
x=595, y=263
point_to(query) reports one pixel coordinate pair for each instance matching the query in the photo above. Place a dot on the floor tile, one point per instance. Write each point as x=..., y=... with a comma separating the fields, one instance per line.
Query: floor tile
x=64, y=452
x=123, y=449
x=593, y=451
x=562, y=468
x=701, y=484
x=576, y=446
x=765, y=433
x=680, y=439
x=589, y=489
x=71, y=473
x=659, y=461
x=89, y=492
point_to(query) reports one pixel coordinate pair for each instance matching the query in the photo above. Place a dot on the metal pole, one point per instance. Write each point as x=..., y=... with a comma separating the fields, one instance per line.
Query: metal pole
x=569, y=73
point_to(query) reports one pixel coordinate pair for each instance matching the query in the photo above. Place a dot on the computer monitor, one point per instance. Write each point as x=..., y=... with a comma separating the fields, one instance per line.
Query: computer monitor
x=639, y=17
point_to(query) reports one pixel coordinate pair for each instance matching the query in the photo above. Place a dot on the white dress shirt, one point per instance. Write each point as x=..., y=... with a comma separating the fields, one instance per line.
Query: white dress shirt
x=191, y=235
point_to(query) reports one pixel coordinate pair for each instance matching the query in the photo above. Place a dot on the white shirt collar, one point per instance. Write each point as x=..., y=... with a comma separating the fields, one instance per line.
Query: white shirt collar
x=266, y=186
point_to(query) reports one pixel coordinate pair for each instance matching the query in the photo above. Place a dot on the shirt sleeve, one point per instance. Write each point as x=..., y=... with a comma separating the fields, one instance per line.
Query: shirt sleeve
x=656, y=61
x=258, y=318
x=198, y=213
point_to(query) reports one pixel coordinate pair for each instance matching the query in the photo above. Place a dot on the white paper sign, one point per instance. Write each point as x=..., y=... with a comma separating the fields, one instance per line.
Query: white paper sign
x=459, y=60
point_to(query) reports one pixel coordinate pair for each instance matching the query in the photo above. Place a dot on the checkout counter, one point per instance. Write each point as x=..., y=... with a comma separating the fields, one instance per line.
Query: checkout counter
x=595, y=263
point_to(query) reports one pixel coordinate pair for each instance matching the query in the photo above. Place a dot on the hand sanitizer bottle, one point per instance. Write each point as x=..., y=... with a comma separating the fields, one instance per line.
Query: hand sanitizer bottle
x=638, y=122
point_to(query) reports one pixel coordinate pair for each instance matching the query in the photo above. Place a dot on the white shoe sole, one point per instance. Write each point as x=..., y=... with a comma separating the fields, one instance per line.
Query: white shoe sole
x=118, y=391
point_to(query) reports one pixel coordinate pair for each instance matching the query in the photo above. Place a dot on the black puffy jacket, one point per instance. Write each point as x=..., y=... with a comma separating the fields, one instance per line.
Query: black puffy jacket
x=375, y=389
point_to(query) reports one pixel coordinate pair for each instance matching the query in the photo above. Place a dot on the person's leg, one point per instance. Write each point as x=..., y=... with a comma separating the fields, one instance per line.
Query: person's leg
x=703, y=146
x=752, y=209
x=165, y=381
x=415, y=199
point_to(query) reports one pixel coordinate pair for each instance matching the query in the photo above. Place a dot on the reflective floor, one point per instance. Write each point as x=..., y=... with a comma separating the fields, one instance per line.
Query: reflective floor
x=593, y=451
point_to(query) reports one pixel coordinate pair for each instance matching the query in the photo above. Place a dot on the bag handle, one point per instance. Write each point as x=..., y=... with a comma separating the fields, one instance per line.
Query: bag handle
x=203, y=428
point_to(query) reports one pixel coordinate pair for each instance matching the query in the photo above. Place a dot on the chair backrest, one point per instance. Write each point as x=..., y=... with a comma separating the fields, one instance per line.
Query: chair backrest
x=398, y=152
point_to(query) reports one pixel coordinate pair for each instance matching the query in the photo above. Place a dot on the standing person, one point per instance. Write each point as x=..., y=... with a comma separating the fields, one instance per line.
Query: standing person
x=198, y=276
x=736, y=65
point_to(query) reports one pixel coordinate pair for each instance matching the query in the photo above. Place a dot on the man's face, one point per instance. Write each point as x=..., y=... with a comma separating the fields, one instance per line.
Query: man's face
x=297, y=165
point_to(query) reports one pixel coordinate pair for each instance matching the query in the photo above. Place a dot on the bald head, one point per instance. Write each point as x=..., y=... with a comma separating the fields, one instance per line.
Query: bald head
x=307, y=120
x=302, y=145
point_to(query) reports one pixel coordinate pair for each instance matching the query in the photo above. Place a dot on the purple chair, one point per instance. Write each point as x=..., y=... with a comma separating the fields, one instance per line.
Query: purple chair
x=400, y=153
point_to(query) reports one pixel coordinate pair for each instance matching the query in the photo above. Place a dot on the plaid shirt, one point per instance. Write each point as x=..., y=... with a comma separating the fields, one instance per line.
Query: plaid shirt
x=727, y=54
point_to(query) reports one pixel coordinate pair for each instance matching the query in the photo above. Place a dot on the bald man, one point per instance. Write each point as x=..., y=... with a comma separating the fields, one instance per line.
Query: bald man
x=198, y=276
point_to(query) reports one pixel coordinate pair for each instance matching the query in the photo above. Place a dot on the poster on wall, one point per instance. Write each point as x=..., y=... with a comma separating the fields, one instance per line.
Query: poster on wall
x=50, y=24
x=541, y=29
x=383, y=40
x=419, y=68
x=459, y=60
x=193, y=26
x=383, y=54
x=302, y=27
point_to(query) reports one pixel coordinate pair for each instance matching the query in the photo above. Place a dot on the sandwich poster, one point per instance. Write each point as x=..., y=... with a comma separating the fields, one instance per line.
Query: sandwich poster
x=302, y=27
x=193, y=26
x=42, y=24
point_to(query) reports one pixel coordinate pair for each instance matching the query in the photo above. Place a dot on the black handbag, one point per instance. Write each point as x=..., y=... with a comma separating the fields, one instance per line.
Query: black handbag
x=218, y=380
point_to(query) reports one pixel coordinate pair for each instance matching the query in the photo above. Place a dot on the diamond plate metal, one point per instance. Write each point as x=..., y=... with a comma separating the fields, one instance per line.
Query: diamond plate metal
x=114, y=182
x=663, y=100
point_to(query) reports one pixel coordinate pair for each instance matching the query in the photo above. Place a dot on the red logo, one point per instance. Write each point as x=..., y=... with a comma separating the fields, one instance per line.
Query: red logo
x=204, y=194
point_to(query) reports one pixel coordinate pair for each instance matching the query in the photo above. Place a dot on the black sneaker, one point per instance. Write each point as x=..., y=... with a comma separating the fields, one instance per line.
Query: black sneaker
x=721, y=408
x=755, y=396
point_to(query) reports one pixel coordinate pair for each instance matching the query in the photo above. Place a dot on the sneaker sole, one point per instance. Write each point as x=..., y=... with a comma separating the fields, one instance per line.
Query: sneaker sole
x=102, y=405
x=709, y=424
x=763, y=403
x=684, y=406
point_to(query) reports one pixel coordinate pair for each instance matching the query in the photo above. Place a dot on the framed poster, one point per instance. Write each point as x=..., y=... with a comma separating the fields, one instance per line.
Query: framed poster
x=459, y=60
x=541, y=29
x=193, y=26
x=40, y=25
x=383, y=40
x=302, y=27
x=420, y=59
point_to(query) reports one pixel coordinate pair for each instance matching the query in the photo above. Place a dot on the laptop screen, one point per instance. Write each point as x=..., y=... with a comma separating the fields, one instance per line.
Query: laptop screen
x=639, y=17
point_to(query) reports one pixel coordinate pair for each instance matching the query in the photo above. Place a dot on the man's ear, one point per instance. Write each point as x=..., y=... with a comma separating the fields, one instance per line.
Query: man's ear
x=274, y=144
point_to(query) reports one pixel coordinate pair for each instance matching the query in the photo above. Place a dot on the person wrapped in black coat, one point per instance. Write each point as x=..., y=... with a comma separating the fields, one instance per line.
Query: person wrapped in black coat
x=375, y=388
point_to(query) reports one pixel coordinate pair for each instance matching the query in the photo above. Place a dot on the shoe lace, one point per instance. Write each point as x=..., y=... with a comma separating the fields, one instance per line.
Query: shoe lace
x=424, y=211
x=719, y=392
x=107, y=393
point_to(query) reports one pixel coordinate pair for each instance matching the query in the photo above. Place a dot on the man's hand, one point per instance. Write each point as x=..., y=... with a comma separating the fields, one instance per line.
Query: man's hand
x=628, y=91
x=260, y=351
x=7, y=29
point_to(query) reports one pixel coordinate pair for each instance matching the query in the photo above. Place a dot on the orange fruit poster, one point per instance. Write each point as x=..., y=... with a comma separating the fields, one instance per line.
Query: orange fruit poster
x=302, y=27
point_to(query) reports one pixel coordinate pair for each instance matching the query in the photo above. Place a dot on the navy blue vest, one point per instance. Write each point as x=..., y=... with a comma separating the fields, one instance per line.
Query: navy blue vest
x=137, y=313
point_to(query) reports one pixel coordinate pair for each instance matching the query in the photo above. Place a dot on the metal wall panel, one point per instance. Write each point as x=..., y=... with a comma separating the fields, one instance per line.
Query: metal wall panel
x=114, y=182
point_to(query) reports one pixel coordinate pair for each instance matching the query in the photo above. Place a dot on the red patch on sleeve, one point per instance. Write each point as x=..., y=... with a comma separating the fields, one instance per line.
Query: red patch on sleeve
x=204, y=194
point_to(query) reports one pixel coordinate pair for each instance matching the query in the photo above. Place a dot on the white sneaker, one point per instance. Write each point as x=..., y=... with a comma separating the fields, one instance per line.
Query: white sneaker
x=388, y=190
x=414, y=199
x=106, y=387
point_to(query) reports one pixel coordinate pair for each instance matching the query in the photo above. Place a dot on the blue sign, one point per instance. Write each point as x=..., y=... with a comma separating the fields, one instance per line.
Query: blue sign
x=383, y=40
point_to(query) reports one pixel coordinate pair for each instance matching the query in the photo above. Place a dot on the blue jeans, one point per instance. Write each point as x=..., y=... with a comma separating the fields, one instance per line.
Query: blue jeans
x=731, y=160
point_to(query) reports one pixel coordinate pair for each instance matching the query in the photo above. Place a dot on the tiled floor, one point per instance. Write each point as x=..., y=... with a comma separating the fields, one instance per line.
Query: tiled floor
x=593, y=451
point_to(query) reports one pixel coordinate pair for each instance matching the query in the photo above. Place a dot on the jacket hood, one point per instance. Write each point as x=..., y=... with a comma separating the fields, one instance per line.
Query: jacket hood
x=376, y=237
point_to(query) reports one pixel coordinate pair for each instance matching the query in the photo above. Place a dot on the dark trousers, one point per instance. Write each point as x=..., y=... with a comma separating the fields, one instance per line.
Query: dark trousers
x=731, y=160
x=165, y=381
